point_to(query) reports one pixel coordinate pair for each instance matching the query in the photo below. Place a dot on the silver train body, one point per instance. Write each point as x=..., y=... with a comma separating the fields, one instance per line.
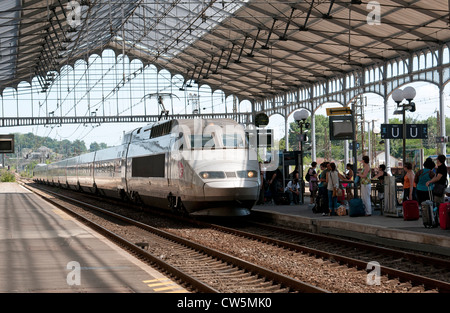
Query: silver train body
x=202, y=167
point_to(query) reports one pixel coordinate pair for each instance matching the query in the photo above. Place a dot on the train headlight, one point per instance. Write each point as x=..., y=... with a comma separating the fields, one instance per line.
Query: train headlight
x=247, y=174
x=212, y=175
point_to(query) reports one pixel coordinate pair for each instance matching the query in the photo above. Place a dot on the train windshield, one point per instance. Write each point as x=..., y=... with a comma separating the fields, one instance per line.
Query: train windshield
x=202, y=141
x=233, y=141
x=215, y=141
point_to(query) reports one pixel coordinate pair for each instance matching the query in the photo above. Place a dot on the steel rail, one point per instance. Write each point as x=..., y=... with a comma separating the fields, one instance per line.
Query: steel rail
x=391, y=272
x=278, y=278
x=200, y=286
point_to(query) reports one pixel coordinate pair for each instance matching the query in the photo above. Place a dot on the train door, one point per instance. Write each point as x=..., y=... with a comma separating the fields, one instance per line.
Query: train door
x=170, y=163
x=124, y=168
x=175, y=170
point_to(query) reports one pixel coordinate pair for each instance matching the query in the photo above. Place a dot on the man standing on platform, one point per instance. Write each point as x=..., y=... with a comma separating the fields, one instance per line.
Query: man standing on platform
x=440, y=180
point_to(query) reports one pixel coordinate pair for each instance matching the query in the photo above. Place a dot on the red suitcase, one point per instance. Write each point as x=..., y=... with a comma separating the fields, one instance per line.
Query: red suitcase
x=444, y=215
x=410, y=210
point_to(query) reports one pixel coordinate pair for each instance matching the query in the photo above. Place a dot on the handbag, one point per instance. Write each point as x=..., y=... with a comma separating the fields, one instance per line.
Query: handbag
x=337, y=192
x=438, y=190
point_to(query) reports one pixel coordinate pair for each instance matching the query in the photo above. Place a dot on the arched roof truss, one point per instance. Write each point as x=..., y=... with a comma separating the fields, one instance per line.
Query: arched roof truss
x=269, y=52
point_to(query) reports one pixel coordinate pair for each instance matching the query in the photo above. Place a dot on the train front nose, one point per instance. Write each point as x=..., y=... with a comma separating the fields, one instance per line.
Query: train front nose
x=234, y=198
x=231, y=190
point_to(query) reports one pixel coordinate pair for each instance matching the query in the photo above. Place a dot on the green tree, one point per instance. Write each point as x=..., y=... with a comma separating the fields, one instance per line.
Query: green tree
x=94, y=147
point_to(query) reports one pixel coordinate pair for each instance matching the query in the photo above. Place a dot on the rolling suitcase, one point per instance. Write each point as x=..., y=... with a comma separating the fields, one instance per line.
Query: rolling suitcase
x=410, y=210
x=429, y=217
x=356, y=208
x=444, y=215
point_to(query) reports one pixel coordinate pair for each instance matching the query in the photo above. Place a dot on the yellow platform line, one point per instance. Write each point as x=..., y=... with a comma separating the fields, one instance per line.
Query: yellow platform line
x=155, y=280
x=166, y=288
x=165, y=284
x=158, y=284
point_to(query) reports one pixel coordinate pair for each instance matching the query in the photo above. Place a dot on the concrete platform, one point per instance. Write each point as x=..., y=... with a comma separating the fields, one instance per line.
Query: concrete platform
x=42, y=249
x=376, y=228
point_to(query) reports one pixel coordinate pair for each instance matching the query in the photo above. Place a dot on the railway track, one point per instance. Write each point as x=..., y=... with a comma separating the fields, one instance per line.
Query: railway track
x=399, y=270
x=419, y=270
x=203, y=268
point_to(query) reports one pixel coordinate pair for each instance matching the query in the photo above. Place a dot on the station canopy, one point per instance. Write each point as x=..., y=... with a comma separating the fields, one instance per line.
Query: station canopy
x=252, y=49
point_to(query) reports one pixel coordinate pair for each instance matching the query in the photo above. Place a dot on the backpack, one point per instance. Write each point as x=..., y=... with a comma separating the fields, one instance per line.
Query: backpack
x=307, y=176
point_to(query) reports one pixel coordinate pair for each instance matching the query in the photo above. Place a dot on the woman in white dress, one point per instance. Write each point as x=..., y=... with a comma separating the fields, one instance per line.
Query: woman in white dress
x=366, y=185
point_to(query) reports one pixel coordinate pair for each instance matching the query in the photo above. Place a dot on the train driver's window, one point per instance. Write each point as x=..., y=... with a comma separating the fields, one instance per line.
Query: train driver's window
x=202, y=141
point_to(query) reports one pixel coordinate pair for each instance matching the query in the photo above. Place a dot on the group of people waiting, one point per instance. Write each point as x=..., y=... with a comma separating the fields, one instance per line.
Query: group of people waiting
x=323, y=183
x=328, y=180
x=426, y=182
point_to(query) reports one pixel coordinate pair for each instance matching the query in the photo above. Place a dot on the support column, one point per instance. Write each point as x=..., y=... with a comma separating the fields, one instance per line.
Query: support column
x=441, y=98
x=286, y=132
x=346, y=154
x=442, y=110
x=387, y=144
x=313, y=136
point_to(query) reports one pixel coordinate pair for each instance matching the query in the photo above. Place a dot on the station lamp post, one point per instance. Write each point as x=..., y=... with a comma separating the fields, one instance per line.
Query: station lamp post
x=300, y=117
x=398, y=96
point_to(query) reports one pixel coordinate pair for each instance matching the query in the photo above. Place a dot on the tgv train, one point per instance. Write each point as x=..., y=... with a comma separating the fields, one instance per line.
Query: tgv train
x=198, y=166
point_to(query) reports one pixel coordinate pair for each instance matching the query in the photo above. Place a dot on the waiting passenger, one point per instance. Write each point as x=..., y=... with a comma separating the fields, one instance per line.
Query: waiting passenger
x=275, y=180
x=321, y=205
x=293, y=191
x=409, y=186
x=440, y=180
x=366, y=187
x=332, y=183
x=323, y=179
x=380, y=184
x=421, y=179
x=347, y=180
x=313, y=182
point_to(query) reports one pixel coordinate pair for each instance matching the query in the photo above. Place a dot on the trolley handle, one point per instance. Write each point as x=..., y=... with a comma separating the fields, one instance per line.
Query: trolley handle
x=430, y=193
